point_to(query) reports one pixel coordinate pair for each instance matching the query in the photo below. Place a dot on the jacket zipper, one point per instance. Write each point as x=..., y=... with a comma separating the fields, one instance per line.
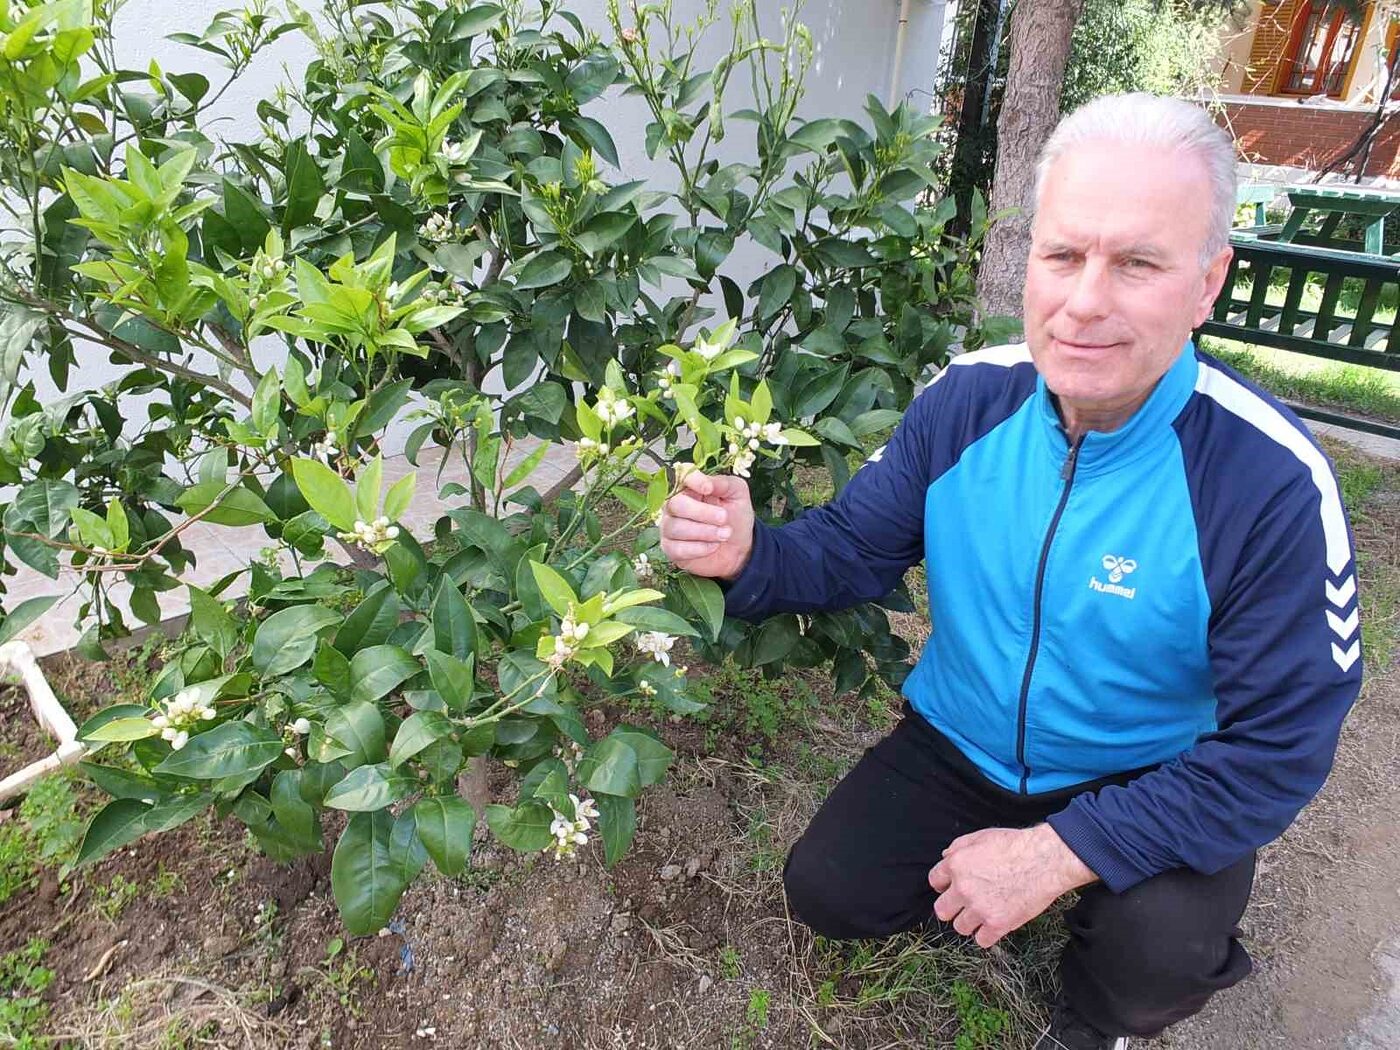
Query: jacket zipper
x=1067, y=475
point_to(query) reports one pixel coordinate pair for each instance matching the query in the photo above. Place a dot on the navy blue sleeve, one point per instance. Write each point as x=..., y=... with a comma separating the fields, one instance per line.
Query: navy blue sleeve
x=856, y=548
x=1285, y=655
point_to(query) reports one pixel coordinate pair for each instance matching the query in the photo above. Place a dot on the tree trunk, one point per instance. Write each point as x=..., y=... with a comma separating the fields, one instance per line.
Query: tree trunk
x=968, y=150
x=1041, y=31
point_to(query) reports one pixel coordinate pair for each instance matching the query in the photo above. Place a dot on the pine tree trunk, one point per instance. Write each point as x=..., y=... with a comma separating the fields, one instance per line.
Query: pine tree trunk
x=1041, y=31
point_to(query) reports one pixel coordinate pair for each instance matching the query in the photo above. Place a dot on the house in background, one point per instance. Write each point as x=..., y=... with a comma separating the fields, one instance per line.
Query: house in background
x=1301, y=79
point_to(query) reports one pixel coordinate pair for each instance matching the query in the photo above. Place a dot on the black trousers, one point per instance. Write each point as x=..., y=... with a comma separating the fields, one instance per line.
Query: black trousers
x=1135, y=962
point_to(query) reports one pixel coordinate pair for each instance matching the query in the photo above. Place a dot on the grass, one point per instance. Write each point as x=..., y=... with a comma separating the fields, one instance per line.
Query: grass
x=22, y=982
x=45, y=829
x=1369, y=391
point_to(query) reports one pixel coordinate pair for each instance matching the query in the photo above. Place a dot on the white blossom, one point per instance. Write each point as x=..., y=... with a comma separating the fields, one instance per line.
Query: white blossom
x=370, y=534
x=301, y=726
x=657, y=644
x=743, y=462
x=612, y=409
x=438, y=228
x=641, y=565
x=454, y=153
x=326, y=448
x=646, y=688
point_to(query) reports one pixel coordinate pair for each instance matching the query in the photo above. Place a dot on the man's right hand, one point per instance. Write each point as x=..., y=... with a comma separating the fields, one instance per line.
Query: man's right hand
x=707, y=528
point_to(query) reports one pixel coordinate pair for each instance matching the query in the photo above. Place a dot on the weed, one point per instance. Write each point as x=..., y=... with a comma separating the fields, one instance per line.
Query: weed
x=755, y=1019
x=50, y=811
x=729, y=960
x=979, y=1024
x=16, y=861
x=744, y=701
x=165, y=883
x=111, y=899
x=340, y=974
x=479, y=880
x=22, y=1011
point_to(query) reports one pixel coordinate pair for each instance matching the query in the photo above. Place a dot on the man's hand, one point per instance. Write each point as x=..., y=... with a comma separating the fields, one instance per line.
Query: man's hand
x=996, y=880
x=707, y=529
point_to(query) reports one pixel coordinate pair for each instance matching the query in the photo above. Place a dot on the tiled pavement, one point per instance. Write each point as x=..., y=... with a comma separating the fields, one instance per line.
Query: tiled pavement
x=221, y=550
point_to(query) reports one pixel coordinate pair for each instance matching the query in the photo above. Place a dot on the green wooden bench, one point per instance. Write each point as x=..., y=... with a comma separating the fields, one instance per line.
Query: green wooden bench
x=1335, y=329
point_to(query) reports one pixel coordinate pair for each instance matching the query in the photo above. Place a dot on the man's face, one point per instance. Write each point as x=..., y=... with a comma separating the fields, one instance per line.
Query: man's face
x=1114, y=284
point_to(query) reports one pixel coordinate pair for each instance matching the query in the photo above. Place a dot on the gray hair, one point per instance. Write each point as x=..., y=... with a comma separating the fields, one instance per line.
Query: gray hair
x=1172, y=124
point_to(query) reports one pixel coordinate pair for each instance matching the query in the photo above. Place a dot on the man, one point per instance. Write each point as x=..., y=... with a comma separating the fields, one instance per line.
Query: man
x=1142, y=594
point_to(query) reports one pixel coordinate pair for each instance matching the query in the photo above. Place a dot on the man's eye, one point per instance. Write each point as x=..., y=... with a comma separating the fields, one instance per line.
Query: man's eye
x=1140, y=264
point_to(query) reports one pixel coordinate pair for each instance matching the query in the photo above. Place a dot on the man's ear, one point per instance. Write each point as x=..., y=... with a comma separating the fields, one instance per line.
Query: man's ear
x=1214, y=281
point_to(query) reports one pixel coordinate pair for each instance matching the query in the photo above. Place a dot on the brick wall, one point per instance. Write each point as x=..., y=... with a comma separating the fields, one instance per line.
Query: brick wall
x=1270, y=44
x=1307, y=136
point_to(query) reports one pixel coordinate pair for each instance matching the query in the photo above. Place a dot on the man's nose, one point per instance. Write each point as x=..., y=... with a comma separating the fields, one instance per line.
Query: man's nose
x=1089, y=296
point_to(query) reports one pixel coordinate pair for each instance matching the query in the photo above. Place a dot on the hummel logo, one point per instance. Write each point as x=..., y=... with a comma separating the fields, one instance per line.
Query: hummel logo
x=1117, y=567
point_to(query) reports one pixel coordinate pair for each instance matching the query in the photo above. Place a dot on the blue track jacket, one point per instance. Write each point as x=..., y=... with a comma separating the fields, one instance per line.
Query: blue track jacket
x=1179, y=593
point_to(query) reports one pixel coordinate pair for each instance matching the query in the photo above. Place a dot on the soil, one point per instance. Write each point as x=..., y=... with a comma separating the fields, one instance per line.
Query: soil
x=686, y=942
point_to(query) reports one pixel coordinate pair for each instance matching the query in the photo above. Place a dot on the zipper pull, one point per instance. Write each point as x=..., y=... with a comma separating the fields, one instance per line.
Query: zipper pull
x=1067, y=471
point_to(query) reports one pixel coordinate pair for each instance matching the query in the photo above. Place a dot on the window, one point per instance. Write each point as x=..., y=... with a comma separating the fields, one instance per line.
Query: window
x=1320, y=50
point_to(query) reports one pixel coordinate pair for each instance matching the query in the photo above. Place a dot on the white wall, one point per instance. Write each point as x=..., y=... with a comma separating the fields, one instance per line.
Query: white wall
x=854, y=43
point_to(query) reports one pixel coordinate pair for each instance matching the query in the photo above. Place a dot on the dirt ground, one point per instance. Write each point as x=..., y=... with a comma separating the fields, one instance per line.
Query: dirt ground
x=686, y=942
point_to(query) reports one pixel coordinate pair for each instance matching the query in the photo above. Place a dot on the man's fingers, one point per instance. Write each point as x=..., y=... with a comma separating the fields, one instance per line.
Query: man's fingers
x=948, y=905
x=700, y=484
x=988, y=935
x=715, y=486
x=680, y=551
x=939, y=878
x=963, y=840
x=967, y=922
x=684, y=506
x=685, y=529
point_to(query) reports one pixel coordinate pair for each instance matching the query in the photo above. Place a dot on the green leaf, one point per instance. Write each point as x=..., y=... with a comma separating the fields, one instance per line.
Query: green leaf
x=610, y=767
x=367, y=488
x=227, y=750
x=287, y=639
x=211, y=622
x=121, y=730
x=706, y=598
x=588, y=132
x=416, y=733
x=617, y=820
x=370, y=787
x=23, y=614
x=366, y=881
x=445, y=826
x=544, y=269
x=775, y=290
x=118, y=823
x=524, y=828
x=652, y=618
x=775, y=640
x=326, y=491
x=304, y=186
x=291, y=809
x=454, y=626
x=238, y=506
x=476, y=19
x=379, y=670
x=359, y=728
x=267, y=399
x=399, y=497
x=604, y=230
x=332, y=670
x=452, y=678
x=653, y=757
x=371, y=622
x=554, y=588
x=527, y=466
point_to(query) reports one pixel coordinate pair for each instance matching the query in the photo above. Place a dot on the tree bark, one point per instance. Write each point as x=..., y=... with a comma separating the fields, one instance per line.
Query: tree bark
x=968, y=150
x=1041, y=31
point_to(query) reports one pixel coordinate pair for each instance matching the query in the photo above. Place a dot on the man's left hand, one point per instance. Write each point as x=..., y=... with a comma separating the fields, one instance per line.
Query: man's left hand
x=996, y=880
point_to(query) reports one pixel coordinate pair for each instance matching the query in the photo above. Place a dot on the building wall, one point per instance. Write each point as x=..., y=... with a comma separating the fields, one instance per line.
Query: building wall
x=1287, y=133
x=1274, y=20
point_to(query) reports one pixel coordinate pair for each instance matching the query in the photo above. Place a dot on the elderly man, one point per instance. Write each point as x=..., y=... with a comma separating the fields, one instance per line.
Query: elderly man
x=1142, y=593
